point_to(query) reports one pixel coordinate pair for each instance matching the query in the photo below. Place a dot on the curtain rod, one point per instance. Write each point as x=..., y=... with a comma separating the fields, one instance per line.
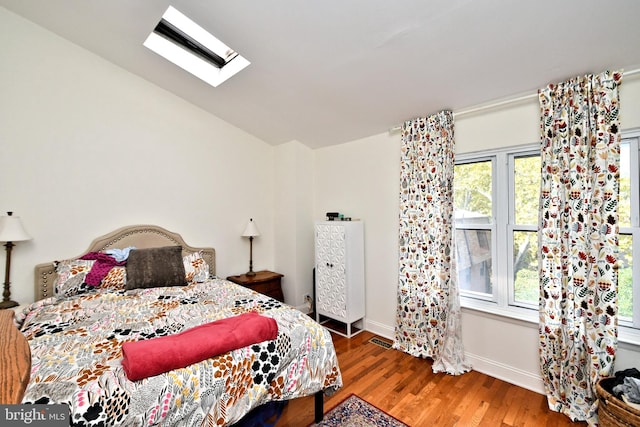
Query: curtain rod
x=506, y=102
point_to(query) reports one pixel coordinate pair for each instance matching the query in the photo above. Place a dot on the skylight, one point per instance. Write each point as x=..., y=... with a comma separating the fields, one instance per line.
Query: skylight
x=183, y=42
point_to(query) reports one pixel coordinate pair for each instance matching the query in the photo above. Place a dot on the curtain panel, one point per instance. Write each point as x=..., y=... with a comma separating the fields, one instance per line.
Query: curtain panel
x=428, y=312
x=578, y=232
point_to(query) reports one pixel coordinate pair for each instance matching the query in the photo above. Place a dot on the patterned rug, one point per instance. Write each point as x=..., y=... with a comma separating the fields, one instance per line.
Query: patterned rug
x=355, y=412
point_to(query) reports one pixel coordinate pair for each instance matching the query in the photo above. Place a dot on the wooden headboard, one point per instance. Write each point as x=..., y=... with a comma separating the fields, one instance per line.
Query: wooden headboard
x=139, y=236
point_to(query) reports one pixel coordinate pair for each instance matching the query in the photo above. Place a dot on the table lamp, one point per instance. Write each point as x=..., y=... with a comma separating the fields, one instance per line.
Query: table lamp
x=251, y=231
x=11, y=230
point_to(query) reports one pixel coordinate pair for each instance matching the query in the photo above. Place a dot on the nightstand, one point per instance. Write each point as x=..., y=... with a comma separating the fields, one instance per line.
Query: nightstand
x=265, y=282
x=18, y=309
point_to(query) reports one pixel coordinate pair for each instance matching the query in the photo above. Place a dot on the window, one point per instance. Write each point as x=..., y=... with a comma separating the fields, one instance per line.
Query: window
x=183, y=42
x=496, y=196
x=629, y=241
x=496, y=205
x=524, y=174
x=475, y=228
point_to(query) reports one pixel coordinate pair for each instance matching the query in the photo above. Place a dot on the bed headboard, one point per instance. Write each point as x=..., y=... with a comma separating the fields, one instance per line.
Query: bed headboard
x=140, y=236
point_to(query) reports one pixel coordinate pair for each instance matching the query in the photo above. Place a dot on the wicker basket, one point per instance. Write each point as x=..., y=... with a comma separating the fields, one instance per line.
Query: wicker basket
x=613, y=412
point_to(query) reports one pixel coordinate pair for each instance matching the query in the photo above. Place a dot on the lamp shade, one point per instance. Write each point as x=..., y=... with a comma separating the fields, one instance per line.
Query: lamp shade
x=251, y=230
x=11, y=229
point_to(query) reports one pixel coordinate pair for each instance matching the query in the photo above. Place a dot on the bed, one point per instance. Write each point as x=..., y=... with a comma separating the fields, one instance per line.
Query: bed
x=76, y=332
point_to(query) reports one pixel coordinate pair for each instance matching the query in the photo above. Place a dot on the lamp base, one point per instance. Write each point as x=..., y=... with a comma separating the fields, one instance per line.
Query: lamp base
x=8, y=304
x=250, y=274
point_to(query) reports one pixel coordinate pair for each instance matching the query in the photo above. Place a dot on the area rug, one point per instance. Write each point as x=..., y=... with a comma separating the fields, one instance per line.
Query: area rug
x=355, y=412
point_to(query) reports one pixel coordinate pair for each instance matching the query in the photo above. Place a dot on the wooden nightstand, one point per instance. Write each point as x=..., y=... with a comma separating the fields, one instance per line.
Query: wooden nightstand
x=265, y=282
x=17, y=309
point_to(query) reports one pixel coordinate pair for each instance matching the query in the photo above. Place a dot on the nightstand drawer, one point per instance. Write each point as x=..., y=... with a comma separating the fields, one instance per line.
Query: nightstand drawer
x=272, y=288
x=265, y=282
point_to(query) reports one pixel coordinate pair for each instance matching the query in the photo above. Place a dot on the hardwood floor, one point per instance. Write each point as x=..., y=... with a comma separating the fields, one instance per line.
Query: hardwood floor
x=405, y=387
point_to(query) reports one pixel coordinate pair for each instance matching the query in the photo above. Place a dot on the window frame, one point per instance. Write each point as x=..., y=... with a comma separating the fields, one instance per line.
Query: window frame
x=502, y=227
x=502, y=303
x=180, y=40
x=491, y=227
x=512, y=227
x=633, y=138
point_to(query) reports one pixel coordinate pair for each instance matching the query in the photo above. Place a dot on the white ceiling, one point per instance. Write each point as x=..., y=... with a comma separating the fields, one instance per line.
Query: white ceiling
x=331, y=71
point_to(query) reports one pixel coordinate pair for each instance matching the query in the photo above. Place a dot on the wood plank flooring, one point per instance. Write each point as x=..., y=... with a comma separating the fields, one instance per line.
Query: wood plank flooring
x=405, y=387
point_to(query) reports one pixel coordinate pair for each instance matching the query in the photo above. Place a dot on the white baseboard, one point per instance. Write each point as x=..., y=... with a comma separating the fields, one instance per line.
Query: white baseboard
x=385, y=331
x=494, y=369
x=506, y=373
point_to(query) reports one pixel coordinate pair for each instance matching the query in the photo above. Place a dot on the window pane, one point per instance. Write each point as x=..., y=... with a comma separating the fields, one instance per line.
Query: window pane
x=624, y=206
x=527, y=188
x=625, y=279
x=474, y=260
x=525, y=267
x=472, y=193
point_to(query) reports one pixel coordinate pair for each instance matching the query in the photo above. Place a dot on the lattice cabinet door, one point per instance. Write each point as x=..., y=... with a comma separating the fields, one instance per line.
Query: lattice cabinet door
x=339, y=248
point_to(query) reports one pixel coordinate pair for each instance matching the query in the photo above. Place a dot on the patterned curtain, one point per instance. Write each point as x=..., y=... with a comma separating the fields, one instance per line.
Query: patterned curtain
x=579, y=240
x=428, y=314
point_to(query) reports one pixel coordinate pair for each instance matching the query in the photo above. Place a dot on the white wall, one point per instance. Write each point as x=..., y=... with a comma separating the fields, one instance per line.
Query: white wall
x=86, y=147
x=361, y=179
x=293, y=222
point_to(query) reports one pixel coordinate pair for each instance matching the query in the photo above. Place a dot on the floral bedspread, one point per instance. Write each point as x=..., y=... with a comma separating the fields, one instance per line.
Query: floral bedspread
x=76, y=356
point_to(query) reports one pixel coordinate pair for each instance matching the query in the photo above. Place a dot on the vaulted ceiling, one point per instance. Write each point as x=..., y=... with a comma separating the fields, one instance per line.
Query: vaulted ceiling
x=332, y=71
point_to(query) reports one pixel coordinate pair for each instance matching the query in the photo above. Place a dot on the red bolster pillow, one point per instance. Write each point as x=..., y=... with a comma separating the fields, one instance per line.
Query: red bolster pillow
x=146, y=358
